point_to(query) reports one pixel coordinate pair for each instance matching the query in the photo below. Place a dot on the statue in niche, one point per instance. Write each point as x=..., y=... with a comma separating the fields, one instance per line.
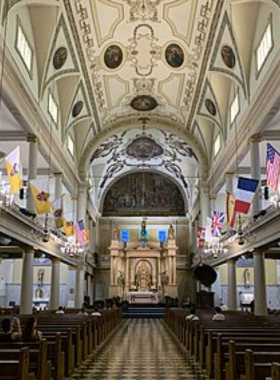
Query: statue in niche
x=143, y=278
x=171, y=232
x=39, y=293
x=115, y=234
x=246, y=278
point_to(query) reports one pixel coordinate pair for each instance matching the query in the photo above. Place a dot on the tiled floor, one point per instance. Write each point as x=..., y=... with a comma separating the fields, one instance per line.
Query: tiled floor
x=141, y=349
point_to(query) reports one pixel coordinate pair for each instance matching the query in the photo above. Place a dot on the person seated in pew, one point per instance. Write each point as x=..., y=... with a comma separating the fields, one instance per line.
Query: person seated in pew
x=192, y=316
x=83, y=312
x=10, y=332
x=218, y=316
x=224, y=307
x=96, y=313
x=30, y=333
x=59, y=310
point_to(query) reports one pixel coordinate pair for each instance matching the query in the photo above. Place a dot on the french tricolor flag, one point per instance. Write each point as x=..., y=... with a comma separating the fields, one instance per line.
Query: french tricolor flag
x=245, y=192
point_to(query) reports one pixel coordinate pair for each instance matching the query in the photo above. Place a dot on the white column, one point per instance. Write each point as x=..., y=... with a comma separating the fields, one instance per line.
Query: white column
x=26, y=297
x=229, y=182
x=195, y=242
x=256, y=171
x=232, y=297
x=55, y=285
x=174, y=270
x=57, y=185
x=259, y=283
x=80, y=270
x=32, y=169
x=204, y=203
x=89, y=288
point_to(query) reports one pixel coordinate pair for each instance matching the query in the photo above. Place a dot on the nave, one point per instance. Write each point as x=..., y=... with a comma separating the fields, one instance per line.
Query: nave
x=140, y=349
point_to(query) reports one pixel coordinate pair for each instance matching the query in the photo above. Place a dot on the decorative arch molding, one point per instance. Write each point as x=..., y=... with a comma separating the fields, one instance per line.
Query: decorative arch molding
x=160, y=123
x=15, y=4
x=154, y=171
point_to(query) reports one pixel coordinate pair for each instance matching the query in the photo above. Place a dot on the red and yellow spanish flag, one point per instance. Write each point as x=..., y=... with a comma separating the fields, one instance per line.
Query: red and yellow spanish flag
x=13, y=166
x=68, y=227
x=39, y=189
x=231, y=214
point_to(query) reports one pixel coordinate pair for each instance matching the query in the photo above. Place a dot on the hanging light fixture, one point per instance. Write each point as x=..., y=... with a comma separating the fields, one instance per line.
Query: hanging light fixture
x=215, y=248
x=72, y=249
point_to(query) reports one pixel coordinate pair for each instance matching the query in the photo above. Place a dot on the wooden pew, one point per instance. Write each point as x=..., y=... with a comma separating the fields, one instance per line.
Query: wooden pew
x=17, y=369
x=275, y=371
x=258, y=366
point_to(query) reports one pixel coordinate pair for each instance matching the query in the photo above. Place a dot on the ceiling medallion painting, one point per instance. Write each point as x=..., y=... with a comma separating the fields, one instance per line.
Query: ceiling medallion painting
x=210, y=106
x=77, y=108
x=228, y=56
x=144, y=148
x=143, y=10
x=113, y=57
x=174, y=55
x=143, y=103
x=144, y=194
x=60, y=57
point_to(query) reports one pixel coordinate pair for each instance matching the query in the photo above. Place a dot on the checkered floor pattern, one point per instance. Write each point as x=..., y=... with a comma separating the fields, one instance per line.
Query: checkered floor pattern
x=141, y=349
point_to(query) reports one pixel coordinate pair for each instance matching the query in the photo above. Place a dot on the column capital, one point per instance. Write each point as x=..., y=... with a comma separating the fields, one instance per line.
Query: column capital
x=31, y=138
x=255, y=138
x=58, y=174
x=29, y=250
x=55, y=260
x=213, y=196
x=232, y=261
x=229, y=174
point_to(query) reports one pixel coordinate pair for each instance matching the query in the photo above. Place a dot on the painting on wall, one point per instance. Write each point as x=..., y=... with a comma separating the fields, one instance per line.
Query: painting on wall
x=113, y=57
x=210, y=106
x=144, y=194
x=143, y=103
x=228, y=56
x=60, y=57
x=174, y=55
x=144, y=148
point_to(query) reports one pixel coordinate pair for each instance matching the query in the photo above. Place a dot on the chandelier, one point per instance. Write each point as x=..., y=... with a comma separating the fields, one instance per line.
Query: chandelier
x=275, y=200
x=72, y=249
x=215, y=248
x=6, y=196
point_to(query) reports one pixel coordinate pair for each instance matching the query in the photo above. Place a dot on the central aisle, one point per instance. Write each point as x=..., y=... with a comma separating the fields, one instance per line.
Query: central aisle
x=141, y=349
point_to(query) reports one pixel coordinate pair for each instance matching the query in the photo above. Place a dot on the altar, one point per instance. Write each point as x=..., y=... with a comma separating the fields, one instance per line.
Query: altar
x=143, y=272
x=143, y=297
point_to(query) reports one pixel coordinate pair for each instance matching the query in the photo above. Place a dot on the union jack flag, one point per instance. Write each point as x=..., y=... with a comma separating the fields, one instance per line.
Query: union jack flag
x=272, y=167
x=218, y=218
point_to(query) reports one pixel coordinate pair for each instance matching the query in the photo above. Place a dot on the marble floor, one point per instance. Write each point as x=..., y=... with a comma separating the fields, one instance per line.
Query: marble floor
x=141, y=349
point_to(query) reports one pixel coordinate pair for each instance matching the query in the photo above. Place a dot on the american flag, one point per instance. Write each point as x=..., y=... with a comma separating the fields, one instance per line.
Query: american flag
x=272, y=167
x=218, y=218
x=81, y=234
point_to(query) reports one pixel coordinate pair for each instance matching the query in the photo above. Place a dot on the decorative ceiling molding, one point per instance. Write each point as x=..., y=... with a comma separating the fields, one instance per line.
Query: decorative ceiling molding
x=79, y=108
x=214, y=24
x=114, y=15
x=143, y=11
x=181, y=27
x=231, y=55
x=61, y=39
x=96, y=125
x=157, y=123
x=209, y=107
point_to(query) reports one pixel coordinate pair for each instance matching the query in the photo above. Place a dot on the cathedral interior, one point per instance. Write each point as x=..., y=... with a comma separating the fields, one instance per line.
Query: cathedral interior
x=125, y=126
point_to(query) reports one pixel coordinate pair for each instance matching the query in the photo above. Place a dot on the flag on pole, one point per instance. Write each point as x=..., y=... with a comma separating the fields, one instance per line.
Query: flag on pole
x=246, y=189
x=231, y=214
x=272, y=167
x=81, y=235
x=208, y=230
x=218, y=218
x=13, y=167
x=57, y=212
x=201, y=236
x=68, y=227
x=39, y=189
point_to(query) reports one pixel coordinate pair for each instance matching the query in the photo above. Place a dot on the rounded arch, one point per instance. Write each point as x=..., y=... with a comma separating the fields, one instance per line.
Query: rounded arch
x=170, y=125
x=164, y=175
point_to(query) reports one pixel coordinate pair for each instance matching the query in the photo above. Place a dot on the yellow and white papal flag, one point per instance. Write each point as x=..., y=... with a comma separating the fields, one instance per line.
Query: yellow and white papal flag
x=40, y=193
x=13, y=167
